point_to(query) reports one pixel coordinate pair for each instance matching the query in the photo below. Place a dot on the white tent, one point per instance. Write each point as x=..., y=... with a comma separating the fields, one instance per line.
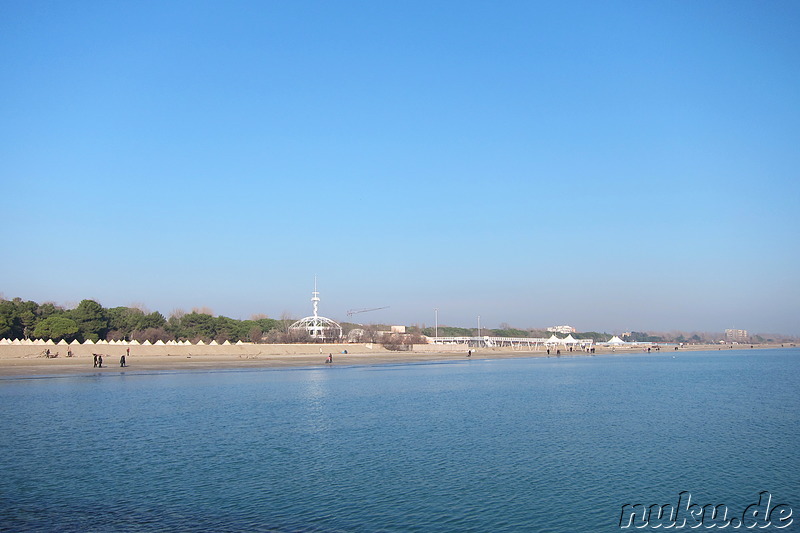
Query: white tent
x=553, y=340
x=50, y=342
x=213, y=343
x=62, y=342
x=74, y=342
x=201, y=343
x=88, y=341
x=159, y=342
x=570, y=340
x=226, y=343
x=616, y=340
x=134, y=342
x=172, y=343
x=5, y=341
x=239, y=343
x=147, y=343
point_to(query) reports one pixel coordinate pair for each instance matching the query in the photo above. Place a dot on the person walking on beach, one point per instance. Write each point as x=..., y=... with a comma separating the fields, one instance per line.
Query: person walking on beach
x=127, y=352
x=95, y=360
x=469, y=353
x=122, y=361
x=329, y=360
x=99, y=361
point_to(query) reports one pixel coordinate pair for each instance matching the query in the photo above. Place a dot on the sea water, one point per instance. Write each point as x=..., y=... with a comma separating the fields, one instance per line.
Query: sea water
x=528, y=444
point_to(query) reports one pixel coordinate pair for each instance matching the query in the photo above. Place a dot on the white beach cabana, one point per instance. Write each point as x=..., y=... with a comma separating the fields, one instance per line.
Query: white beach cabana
x=553, y=340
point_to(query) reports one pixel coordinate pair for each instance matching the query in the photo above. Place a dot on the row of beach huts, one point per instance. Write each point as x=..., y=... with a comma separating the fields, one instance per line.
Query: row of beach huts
x=62, y=342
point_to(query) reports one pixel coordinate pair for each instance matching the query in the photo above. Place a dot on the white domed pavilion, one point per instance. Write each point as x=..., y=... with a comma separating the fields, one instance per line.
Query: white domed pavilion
x=318, y=327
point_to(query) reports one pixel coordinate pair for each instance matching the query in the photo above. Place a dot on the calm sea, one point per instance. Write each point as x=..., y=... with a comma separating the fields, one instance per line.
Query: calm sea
x=476, y=445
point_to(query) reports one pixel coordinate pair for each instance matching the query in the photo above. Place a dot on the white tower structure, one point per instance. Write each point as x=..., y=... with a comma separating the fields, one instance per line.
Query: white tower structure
x=318, y=327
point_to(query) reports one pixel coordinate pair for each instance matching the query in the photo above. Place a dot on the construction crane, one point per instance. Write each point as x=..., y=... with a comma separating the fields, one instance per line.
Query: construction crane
x=352, y=312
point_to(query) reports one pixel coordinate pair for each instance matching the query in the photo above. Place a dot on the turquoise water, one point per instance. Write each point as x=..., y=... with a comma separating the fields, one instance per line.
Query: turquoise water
x=479, y=445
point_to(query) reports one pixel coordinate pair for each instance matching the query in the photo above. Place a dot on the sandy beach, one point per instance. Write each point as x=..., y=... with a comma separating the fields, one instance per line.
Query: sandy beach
x=20, y=361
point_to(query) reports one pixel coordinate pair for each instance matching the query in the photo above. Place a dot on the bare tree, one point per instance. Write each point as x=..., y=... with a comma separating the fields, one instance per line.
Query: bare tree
x=286, y=321
x=299, y=335
x=141, y=307
x=275, y=336
x=397, y=342
x=151, y=334
x=255, y=334
x=115, y=335
x=177, y=313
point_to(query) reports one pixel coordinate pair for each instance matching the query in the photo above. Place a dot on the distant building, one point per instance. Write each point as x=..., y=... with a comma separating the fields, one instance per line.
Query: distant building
x=736, y=335
x=398, y=329
x=562, y=329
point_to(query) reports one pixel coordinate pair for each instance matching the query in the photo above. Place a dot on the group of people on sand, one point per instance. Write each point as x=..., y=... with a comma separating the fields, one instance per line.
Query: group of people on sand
x=49, y=355
x=123, y=362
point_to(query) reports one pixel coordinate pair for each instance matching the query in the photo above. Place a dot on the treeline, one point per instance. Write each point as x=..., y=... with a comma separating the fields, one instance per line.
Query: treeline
x=91, y=321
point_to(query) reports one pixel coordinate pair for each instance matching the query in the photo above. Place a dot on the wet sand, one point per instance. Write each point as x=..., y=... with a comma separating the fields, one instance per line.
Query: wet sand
x=20, y=361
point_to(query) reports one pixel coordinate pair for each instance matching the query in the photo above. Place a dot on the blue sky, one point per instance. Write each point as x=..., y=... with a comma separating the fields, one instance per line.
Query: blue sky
x=611, y=165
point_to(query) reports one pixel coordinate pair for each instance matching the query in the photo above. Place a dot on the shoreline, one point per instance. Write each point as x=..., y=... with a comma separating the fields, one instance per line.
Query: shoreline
x=27, y=361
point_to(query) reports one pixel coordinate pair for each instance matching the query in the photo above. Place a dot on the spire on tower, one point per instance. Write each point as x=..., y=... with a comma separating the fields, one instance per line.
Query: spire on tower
x=315, y=297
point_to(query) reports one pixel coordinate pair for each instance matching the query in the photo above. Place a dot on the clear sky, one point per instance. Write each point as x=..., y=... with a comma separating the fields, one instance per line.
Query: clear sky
x=609, y=165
